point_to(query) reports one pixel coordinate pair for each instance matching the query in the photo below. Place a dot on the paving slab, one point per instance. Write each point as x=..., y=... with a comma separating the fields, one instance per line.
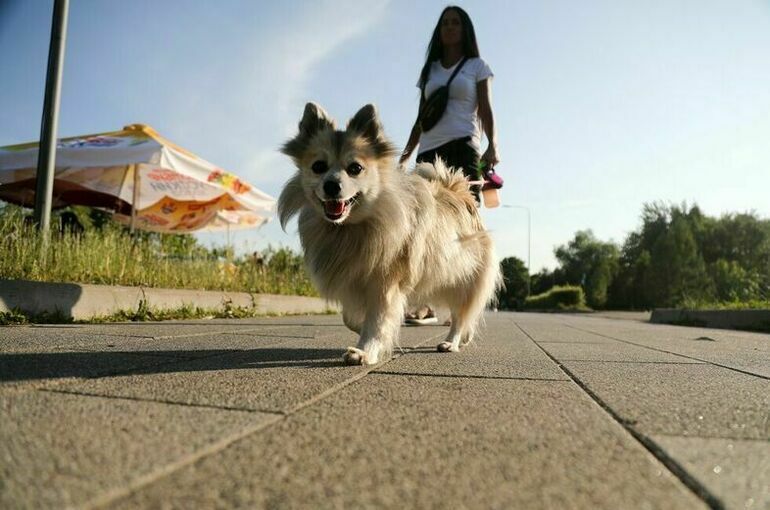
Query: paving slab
x=313, y=321
x=507, y=355
x=736, y=470
x=209, y=343
x=47, y=334
x=552, y=328
x=742, y=351
x=609, y=352
x=665, y=331
x=35, y=340
x=39, y=339
x=27, y=371
x=276, y=376
x=102, y=336
x=621, y=315
x=391, y=441
x=36, y=337
x=543, y=411
x=59, y=450
x=690, y=400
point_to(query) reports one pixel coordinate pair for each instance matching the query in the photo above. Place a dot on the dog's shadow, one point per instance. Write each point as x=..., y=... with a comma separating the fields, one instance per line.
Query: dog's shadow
x=90, y=364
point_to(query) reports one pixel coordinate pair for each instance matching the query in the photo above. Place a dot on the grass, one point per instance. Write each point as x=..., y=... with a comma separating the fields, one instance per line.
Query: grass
x=111, y=256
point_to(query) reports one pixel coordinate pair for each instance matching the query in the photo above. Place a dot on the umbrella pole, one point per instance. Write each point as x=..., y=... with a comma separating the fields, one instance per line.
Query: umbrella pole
x=135, y=199
x=47, y=149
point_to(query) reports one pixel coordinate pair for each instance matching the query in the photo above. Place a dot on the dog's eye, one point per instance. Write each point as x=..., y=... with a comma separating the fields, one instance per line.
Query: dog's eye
x=354, y=168
x=319, y=167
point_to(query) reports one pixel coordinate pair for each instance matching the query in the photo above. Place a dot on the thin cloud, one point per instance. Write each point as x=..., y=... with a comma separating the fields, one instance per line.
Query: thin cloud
x=259, y=101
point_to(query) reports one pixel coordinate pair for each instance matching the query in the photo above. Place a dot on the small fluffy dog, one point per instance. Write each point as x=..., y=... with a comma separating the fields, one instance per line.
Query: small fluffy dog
x=377, y=239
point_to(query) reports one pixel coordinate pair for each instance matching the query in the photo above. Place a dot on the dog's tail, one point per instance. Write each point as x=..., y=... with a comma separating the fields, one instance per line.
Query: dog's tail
x=453, y=180
x=449, y=177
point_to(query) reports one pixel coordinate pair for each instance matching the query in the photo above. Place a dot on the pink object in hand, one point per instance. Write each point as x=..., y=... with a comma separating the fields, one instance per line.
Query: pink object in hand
x=492, y=180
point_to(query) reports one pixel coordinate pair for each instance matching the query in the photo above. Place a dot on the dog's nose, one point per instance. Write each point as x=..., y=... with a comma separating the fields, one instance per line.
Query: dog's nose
x=332, y=189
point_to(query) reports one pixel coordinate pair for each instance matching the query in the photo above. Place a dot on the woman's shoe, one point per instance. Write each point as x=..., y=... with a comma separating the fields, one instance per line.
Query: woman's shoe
x=421, y=317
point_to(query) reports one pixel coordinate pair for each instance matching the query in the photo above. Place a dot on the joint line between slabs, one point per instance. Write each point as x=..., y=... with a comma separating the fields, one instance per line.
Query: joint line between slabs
x=674, y=467
x=636, y=362
x=467, y=376
x=161, y=401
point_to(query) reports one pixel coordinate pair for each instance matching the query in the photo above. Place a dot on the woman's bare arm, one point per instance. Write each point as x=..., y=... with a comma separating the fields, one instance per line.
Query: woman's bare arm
x=414, y=136
x=484, y=92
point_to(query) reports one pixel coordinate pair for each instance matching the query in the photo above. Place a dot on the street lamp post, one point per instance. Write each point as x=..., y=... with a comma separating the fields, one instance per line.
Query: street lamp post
x=529, y=243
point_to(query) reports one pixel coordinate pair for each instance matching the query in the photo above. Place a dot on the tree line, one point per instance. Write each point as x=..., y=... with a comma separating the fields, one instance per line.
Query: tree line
x=677, y=257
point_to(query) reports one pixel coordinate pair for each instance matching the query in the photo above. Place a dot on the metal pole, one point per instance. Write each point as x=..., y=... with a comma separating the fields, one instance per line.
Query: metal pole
x=135, y=197
x=46, y=162
x=529, y=253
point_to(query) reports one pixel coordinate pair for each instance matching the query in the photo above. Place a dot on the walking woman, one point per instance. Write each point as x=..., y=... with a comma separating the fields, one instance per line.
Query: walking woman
x=456, y=137
x=453, y=58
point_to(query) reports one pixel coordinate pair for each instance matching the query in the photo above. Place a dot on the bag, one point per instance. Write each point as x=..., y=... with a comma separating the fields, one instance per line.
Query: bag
x=490, y=190
x=434, y=106
x=491, y=179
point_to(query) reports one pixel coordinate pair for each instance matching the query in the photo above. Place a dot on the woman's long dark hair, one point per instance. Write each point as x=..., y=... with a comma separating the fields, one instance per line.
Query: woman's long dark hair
x=436, y=47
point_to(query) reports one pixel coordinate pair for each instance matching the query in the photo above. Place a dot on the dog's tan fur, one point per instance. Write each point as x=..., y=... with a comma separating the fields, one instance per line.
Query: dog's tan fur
x=404, y=238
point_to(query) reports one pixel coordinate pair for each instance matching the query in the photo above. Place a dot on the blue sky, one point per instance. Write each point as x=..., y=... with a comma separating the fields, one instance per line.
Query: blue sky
x=601, y=106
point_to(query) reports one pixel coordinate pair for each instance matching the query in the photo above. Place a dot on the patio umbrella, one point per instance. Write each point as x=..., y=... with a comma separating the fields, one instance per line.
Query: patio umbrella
x=149, y=182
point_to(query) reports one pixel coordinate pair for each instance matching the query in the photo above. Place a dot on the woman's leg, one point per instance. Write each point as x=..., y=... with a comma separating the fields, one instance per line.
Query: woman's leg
x=423, y=314
x=427, y=156
x=459, y=155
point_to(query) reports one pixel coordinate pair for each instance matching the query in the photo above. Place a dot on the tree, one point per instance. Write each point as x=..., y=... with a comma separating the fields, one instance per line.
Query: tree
x=542, y=281
x=677, y=271
x=514, y=291
x=733, y=283
x=590, y=263
x=677, y=256
x=661, y=263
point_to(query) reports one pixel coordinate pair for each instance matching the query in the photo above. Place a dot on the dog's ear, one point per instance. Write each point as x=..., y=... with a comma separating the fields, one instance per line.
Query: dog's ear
x=367, y=123
x=313, y=120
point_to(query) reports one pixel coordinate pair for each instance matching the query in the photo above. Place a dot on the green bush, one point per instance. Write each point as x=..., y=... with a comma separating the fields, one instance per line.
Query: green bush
x=558, y=298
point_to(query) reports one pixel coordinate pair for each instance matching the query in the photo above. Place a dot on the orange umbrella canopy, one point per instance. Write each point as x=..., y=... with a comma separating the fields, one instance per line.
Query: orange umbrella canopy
x=137, y=171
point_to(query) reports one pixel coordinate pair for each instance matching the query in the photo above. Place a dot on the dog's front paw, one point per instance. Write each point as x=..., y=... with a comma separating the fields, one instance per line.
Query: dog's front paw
x=447, y=347
x=355, y=356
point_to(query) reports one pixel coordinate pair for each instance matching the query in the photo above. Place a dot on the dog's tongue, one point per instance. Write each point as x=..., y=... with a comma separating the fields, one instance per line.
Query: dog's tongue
x=334, y=207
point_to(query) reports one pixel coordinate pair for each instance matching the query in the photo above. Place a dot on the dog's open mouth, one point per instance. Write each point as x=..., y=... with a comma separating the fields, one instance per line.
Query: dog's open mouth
x=337, y=209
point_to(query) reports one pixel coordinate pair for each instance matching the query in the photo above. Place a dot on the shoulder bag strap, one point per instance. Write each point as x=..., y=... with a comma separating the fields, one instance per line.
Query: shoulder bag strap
x=457, y=70
x=454, y=73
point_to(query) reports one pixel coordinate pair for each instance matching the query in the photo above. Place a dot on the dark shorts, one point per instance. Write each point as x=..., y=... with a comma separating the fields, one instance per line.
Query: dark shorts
x=457, y=154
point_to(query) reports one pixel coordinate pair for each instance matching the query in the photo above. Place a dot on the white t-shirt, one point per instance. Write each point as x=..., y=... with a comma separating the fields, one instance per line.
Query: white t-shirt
x=460, y=118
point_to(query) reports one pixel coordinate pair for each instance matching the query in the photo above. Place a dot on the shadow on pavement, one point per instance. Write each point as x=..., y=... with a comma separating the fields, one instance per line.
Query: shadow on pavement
x=53, y=365
x=40, y=299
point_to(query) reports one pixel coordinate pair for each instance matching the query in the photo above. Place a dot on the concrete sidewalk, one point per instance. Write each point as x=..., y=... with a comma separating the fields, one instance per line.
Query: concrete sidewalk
x=546, y=411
